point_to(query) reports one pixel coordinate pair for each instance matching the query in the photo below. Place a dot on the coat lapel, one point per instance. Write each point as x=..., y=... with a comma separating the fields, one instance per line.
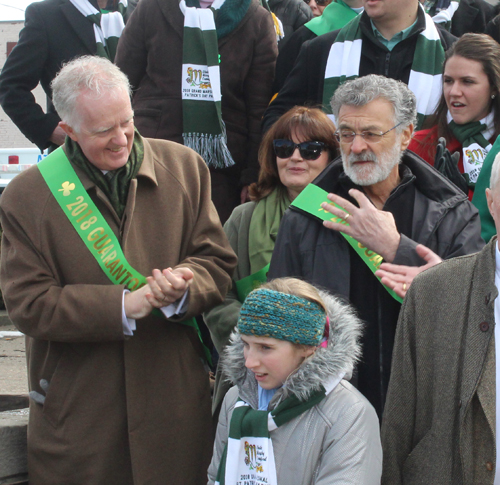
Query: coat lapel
x=173, y=15
x=82, y=27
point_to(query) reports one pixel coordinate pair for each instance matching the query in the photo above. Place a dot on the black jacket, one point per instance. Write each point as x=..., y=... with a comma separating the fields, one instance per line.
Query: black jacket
x=472, y=16
x=288, y=54
x=292, y=13
x=54, y=32
x=441, y=217
x=304, y=85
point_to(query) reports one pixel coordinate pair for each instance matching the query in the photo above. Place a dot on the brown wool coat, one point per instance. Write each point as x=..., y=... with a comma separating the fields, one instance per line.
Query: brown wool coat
x=118, y=410
x=439, y=418
x=150, y=54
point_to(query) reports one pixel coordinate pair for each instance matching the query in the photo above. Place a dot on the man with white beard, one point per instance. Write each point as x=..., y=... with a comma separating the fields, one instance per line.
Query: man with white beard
x=376, y=204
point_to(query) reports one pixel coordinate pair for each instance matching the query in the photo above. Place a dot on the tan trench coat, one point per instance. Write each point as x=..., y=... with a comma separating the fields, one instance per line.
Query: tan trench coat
x=118, y=410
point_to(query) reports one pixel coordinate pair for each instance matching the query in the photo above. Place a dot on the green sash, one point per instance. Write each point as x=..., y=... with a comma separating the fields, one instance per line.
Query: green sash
x=92, y=228
x=310, y=200
x=249, y=283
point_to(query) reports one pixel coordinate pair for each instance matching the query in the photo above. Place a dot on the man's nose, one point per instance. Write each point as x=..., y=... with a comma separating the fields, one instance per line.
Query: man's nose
x=358, y=144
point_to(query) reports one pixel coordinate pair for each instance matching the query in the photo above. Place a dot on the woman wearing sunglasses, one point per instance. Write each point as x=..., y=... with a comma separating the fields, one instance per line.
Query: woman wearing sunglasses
x=317, y=6
x=292, y=154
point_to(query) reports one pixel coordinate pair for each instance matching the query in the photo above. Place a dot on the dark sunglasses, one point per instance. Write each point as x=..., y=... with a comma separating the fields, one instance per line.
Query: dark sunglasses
x=309, y=150
x=321, y=3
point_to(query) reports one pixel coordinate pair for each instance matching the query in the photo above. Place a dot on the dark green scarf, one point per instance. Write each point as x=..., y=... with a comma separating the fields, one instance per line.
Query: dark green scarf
x=114, y=184
x=228, y=17
x=469, y=133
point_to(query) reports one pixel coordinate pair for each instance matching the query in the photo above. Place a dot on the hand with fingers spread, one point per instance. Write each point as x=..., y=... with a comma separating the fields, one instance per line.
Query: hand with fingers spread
x=399, y=277
x=169, y=285
x=374, y=228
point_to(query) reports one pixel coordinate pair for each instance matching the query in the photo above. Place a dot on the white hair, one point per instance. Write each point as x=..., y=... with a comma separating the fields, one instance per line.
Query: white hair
x=364, y=90
x=92, y=75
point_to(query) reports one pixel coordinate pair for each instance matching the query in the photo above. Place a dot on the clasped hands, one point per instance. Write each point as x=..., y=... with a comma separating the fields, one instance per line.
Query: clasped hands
x=163, y=288
x=374, y=228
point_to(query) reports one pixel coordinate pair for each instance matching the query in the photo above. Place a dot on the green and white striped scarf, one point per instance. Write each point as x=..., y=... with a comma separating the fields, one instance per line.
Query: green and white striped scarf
x=108, y=26
x=203, y=128
x=445, y=16
x=248, y=455
x=474, y=138
x=426, y=71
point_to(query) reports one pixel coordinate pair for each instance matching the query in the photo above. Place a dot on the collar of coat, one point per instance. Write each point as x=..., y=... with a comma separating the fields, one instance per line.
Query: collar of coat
x=339, y=357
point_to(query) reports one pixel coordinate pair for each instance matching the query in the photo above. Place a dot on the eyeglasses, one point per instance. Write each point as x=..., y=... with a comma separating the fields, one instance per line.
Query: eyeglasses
x=309, y=150
x=347, y=136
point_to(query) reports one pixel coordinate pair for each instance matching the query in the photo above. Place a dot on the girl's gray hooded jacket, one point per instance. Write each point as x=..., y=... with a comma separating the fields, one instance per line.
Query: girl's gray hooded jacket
x=336, y=441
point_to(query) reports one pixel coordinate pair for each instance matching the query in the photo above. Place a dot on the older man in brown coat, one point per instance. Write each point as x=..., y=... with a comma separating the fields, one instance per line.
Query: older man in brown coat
x=119, y=391
x=440, y=421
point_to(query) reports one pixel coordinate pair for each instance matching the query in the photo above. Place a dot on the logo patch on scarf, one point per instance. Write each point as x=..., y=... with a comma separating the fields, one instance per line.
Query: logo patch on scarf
x=473, y=158
x=196, y=83
x=253, y=453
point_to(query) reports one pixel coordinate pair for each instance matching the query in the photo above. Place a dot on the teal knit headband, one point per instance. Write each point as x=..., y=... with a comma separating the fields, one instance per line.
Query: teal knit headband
x=269, y=313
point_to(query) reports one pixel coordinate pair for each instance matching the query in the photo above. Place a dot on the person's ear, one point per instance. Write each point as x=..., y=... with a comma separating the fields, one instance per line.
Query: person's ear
x=406, y=135
x=70, y=131
x=307, y=351
x=489, y=200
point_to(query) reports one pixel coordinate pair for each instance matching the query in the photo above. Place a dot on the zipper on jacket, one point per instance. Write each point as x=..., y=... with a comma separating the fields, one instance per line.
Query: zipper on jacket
x=387, y=62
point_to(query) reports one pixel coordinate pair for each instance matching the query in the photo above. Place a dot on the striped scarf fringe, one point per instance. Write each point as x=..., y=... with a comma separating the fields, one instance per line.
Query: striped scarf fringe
x=203, y=128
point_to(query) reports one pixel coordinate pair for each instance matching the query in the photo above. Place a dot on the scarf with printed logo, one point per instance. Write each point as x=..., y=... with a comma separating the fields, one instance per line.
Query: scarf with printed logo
x=108, y=25
x=426, y=70
x=474, y=138
x=249, y=449
x=203, y=128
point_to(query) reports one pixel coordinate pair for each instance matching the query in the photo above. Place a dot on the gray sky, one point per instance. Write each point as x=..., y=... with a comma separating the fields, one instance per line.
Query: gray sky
x=13, y=9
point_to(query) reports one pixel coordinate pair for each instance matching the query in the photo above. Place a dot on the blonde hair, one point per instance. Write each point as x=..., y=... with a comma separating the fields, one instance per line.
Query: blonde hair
x=296, y=287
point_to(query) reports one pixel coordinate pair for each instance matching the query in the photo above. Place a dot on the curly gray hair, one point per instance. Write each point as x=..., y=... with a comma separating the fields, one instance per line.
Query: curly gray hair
x=90, y=74
x=363, y=90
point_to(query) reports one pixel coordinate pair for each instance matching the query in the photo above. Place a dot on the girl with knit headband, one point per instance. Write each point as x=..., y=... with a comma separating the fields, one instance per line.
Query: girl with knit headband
x=291, y=417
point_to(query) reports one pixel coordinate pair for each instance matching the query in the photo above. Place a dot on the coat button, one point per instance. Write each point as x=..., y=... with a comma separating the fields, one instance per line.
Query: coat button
x=489, y=466
x=484, y=326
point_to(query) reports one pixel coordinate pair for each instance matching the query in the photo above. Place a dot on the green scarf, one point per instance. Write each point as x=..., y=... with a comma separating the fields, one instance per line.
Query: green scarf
x=249, y=449
x=114, y=184
x=108, y=25
x=443, y=16
x=488, y=229
x=473, y=137
x=264, y=227
x=334, y=17
x=426, y=70
x=203, y=127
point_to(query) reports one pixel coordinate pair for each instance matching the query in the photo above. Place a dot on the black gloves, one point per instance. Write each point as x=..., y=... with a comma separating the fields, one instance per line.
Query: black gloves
x=446, y=164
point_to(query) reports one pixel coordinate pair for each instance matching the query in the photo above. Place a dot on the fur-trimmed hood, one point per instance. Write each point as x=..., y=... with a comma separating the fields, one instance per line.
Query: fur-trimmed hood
x=339, y=357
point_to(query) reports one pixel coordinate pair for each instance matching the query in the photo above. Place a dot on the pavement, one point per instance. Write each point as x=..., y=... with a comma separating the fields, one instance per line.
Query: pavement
x=13, y=377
